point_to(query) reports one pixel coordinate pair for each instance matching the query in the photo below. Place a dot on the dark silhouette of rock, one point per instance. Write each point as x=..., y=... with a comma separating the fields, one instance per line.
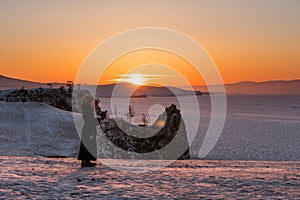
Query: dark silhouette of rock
x=165, y=139
x=60, y=98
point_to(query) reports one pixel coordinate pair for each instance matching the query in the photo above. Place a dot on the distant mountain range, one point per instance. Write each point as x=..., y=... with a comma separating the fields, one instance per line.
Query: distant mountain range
x=274, y=87
x=124, y=89
x=127, y=90
x=14, y=83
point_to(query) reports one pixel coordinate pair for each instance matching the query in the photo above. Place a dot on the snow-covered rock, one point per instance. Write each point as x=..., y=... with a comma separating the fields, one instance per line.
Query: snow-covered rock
x=165, y=139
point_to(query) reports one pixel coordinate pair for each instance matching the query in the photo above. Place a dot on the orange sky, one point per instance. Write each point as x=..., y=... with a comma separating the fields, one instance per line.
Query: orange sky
x=248, y=40
x=174, y=67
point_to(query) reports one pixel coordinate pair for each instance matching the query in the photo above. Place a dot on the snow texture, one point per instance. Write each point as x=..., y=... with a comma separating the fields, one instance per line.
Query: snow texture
x=46, y=178
x=33, y=128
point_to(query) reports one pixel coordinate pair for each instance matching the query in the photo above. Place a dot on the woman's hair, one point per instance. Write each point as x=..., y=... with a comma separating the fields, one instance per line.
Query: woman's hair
x=87, y=99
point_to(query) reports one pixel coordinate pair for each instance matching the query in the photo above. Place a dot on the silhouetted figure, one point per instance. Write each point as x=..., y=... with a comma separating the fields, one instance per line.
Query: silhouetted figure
x=88, y=145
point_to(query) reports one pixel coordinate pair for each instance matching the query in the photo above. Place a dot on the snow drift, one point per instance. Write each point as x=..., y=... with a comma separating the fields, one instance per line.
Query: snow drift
x=33, y=128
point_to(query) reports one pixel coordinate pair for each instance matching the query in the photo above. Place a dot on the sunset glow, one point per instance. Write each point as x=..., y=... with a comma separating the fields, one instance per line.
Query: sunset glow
x=47, y=41
x=136, y=79
x=125, y=65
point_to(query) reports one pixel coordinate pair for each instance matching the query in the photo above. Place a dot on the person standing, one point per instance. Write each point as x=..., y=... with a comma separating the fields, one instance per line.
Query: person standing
x=88, y=145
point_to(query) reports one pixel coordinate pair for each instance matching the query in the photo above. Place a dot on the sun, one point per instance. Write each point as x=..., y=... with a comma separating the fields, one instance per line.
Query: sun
x=136, y=79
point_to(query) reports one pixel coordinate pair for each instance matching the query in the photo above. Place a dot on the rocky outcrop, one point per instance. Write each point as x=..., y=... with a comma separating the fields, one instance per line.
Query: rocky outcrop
x=60, y=98
x=165, y=139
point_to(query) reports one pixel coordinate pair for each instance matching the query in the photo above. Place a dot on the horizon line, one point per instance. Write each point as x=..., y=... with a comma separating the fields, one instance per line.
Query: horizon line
x=230, y=83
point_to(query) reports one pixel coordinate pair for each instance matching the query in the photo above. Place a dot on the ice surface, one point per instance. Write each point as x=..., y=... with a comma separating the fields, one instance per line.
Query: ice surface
x=257, y=127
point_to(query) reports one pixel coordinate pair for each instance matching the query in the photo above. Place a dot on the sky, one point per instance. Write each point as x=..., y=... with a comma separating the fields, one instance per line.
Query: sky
x=47, y=41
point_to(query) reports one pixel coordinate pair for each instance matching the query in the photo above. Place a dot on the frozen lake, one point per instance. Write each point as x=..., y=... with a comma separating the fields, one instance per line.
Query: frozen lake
x=256, y=128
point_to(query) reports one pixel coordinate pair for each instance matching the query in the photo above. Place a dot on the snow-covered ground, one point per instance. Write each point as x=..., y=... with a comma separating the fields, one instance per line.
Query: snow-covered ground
x=46, y=178
x=256, y=128
x=33, y=128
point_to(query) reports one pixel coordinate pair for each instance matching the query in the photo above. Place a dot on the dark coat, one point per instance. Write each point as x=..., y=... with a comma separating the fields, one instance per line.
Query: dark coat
x=88, y=145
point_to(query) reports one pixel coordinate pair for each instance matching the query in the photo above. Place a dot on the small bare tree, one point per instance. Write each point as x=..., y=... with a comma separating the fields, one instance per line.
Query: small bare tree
x=144, y=119
x=130, y=113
